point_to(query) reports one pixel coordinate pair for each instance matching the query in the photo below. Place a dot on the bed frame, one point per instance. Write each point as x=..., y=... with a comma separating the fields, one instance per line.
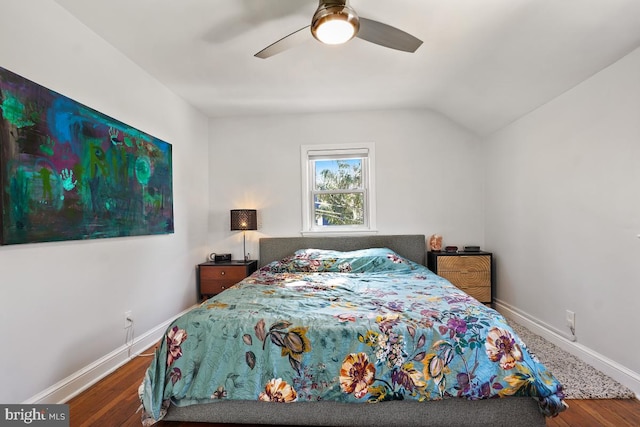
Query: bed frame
x=520, y=411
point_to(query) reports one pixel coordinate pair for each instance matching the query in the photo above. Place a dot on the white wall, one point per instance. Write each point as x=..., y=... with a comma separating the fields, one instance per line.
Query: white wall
x=62, y=304
x=563, y=211
x=428, y=173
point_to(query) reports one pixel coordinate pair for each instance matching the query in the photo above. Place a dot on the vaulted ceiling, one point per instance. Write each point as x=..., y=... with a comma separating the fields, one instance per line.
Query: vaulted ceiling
x=483, y=63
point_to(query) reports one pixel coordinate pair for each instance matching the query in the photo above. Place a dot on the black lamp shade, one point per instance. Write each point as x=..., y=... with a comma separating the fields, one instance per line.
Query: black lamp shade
x=244, y=219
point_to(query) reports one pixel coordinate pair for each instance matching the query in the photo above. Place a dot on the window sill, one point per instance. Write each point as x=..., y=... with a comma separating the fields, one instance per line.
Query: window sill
x=331, y=233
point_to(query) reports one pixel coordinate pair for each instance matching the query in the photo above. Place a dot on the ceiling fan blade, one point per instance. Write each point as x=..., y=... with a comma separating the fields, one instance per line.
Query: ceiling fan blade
x=387, y=36
x=287, y=42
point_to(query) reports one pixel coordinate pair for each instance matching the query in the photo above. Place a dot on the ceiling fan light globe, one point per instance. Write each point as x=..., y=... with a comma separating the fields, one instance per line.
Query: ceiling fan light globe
x=334, y=24
x=335, y=31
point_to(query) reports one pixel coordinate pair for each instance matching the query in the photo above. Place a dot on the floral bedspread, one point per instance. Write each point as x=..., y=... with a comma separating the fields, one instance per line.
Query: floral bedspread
x=362, y=326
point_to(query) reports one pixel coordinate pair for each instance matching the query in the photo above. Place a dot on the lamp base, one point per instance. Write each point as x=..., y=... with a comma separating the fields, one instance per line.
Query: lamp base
x=244, y=247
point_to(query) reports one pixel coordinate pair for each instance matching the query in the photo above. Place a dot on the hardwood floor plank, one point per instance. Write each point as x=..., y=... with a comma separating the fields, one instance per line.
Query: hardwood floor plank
x=113, y=401
x=627, y=413
x=599, y=413
x=610, y=407
x=558, y=422
x=593, y=415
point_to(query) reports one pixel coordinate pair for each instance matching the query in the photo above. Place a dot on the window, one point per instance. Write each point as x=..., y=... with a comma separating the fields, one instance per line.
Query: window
x=338, y=188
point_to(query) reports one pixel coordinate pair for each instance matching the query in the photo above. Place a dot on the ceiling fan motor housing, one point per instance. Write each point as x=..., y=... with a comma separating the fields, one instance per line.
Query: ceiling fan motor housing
x=334, y=22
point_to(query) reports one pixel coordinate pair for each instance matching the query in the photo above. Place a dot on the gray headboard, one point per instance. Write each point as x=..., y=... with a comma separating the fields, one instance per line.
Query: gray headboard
x=410, y=246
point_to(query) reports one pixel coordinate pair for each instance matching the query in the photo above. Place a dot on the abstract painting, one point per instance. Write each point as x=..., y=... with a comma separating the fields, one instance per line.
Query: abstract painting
x=68, y=172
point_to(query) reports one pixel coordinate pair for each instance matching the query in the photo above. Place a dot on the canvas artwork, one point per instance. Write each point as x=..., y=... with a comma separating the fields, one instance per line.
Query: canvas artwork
x=68, y=172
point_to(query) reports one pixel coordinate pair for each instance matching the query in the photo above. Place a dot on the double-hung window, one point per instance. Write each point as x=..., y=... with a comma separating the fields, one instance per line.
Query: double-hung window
x=338, y=188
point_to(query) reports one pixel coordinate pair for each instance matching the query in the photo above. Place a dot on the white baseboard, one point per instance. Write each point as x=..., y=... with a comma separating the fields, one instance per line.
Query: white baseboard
x=81, y=380
x=618, y=372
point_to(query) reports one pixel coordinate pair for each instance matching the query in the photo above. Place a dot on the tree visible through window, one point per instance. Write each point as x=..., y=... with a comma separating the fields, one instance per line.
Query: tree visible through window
x=338, y=196
x=338, y=188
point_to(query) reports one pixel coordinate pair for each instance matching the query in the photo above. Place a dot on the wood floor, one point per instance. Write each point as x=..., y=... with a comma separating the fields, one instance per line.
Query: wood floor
x=114, y=402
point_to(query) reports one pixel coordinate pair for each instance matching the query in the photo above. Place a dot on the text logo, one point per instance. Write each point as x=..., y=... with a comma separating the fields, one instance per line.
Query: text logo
x=34, y=415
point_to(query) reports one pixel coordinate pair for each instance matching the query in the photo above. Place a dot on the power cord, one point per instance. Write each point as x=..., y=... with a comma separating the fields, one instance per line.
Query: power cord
x=129, y=341
x=128, y=338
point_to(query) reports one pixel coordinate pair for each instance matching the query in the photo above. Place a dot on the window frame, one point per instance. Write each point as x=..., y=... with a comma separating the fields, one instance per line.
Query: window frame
x=310, y=153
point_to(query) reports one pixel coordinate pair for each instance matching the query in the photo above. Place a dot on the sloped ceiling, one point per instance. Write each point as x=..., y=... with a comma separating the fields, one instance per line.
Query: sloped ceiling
x=484, y=63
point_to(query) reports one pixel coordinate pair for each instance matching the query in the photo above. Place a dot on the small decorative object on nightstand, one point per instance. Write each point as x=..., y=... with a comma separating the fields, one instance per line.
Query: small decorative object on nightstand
x=435, y=242
x=215, y=277
x=471, y=272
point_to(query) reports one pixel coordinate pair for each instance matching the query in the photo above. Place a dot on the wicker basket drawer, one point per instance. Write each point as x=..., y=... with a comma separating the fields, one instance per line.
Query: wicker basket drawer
x=481, y=293
x=468, y=272
x=464, y=263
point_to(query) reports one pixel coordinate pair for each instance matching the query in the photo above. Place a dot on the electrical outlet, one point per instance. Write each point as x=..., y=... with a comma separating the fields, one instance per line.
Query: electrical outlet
x=128, y=319
x=571, y=320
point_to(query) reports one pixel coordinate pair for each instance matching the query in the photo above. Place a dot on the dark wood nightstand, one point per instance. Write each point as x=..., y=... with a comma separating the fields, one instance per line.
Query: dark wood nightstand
x=471, y=272
x=215, y=277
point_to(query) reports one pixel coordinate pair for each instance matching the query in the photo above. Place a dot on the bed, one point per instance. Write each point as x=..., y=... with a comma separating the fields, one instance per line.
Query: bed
x=346, y=331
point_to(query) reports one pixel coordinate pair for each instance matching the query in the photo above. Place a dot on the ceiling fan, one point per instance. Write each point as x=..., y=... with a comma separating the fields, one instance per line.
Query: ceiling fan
x=335, y=22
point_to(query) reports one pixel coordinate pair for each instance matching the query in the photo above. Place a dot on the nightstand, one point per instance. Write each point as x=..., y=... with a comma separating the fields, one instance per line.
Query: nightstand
x=215, y=277
x=471, y=272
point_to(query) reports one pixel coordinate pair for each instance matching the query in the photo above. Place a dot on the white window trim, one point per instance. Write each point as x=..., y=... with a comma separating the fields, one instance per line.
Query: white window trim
x=309, y=228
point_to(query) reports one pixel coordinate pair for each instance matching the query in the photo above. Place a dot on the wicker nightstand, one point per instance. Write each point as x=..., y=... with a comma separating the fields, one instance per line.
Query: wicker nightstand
x=471, y=272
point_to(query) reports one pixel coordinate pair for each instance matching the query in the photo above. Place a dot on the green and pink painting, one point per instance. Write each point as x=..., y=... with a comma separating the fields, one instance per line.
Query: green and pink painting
x=68, y=172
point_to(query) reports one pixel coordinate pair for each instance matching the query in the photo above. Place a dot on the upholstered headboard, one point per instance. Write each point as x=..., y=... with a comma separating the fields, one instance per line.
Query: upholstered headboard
x=410, y=246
